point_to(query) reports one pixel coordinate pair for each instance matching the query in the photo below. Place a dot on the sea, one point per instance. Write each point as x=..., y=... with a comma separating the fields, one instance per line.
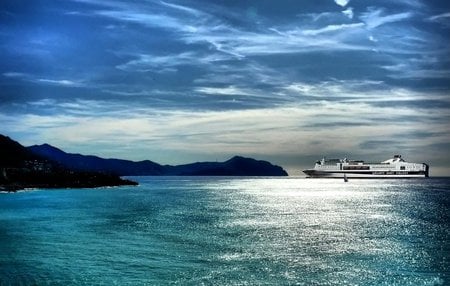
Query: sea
x=229, y=231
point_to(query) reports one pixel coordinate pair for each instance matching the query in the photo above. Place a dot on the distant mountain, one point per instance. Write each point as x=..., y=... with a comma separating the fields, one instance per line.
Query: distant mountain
x=21, y=168
x=236, y=166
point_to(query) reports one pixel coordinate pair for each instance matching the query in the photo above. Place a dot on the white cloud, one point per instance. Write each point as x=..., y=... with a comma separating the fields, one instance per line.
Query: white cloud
x=333, y=28
x=342, y=3
x=348, y=12
x=229, y=90
x=62, y=82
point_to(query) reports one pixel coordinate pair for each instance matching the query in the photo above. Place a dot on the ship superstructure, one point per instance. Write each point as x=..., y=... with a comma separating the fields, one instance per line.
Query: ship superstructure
x=395, y=167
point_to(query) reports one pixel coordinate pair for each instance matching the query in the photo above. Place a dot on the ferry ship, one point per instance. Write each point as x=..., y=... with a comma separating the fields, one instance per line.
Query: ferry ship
x=395, y=167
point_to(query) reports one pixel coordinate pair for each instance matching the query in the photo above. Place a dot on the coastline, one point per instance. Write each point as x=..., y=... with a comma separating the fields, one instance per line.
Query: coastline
x=20, y=186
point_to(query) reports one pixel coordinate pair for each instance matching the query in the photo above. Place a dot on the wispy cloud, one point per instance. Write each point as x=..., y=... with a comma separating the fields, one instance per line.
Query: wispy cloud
x=402, y=72
x=197, y=27
x=147, y=62
x=443, y=19
x=348, y=12
x=150, y=20
x=230, y=40
x=44, y=81
x=229, y=90
x=186, y=9
x=14, y=74
x=333, y=28
x=440, y=17
x=62, y=82
x=374, y=18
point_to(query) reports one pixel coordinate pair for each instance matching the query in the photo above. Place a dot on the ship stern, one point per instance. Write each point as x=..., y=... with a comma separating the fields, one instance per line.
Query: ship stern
x=427, y=170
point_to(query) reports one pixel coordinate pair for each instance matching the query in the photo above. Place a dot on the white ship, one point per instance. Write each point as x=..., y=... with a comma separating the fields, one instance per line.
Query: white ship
x=395, y=167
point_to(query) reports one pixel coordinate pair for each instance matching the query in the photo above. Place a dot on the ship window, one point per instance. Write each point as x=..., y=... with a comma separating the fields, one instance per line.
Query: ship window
x=357, y=167
x=402, y=167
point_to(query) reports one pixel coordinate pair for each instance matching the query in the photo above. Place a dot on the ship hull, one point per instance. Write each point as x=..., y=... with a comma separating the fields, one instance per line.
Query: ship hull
x=364, y=175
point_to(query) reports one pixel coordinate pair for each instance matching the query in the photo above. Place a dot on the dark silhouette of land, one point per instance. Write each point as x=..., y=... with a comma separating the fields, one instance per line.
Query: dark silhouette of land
x=236, y=166
x=45, y=166
x=20, y=168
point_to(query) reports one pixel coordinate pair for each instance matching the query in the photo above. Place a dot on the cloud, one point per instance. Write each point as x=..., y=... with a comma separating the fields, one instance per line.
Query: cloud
x=148, y=62
x=371, y=93
x=14, y=74
x=424, y=66
x=186, y=9
x=413, y=3
x=222, y=134
x=348, y=12
x=219, y=35
x=333, y=28
x=318, y=125
x=229, y=90
x=45, y=81
x=62, y=82
x=443, y=19
x=440, y=17
x=342, y=3
x=196, y=27
x=149, y=20
x=402, y=72
x=374, y=18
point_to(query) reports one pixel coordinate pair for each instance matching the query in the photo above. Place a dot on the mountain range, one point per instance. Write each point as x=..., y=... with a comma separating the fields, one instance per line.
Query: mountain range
x=236, y=166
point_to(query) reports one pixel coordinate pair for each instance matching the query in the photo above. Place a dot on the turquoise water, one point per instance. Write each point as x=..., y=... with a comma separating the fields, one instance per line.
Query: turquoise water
x=229, y=231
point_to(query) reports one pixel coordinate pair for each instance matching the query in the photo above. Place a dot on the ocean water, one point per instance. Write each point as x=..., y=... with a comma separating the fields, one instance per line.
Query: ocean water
x=229, y=231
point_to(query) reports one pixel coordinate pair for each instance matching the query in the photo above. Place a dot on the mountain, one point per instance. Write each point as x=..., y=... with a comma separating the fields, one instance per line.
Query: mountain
x=97, y=164
x=236, y=166
x=12, y=154
x=21, y=168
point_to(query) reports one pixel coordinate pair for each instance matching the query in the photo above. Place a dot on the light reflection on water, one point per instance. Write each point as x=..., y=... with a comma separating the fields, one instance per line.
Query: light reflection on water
x=230, y=231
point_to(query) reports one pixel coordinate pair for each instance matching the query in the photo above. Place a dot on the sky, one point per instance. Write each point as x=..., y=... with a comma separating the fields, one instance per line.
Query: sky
x=183, y=81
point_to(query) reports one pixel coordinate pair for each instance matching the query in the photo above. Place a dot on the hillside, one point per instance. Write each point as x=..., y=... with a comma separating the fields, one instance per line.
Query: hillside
x=97, y=164
x=20, y=168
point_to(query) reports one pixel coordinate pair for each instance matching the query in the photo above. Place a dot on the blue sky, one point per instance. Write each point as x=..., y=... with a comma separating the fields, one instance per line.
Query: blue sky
x=183, y=81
